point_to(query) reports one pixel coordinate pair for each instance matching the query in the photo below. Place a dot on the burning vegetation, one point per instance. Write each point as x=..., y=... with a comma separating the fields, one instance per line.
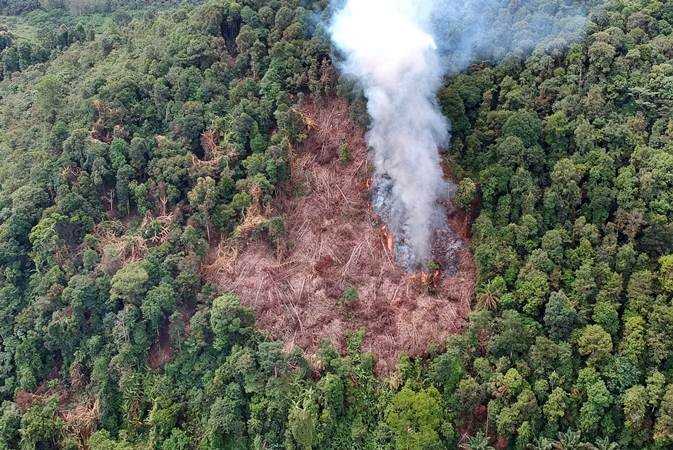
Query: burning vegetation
x=337, y=272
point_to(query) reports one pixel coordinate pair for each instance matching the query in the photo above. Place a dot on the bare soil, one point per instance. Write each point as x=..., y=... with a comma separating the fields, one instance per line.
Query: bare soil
x=336, y=242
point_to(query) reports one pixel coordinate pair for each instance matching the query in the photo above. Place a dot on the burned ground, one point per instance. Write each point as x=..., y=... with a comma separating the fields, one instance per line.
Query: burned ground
x=337, y=244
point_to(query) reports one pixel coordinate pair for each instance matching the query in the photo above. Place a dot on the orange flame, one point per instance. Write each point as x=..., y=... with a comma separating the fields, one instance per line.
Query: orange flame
x=425, y=278
x=389, y=238
x=368, y=183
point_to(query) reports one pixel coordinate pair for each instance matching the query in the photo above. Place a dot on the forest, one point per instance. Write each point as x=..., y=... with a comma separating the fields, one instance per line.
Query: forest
x=136, y=136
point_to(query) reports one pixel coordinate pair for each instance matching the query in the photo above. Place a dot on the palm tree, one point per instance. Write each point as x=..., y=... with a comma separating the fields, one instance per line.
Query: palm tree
x=605, y=444
x=489, y=295
x=477, y=442
x=570, y=440
x=541, y=443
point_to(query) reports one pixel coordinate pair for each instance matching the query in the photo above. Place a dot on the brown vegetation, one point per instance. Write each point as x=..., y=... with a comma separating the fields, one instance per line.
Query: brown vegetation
x=336, y=242
x=78, y=410
x=161, y=351
x=117, y=248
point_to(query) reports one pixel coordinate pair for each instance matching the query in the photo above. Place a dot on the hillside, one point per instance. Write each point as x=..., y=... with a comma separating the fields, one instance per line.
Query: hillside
x=333, y=273
x=190, y=258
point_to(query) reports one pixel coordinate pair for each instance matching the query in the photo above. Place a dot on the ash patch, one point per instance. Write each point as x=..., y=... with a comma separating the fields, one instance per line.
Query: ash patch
x=382, y=191
x=382, y=194
x=446, y=247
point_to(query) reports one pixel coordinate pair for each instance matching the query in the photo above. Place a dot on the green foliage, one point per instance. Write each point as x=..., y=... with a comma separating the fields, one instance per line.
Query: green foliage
x=477, y=442
x=349, y=295
x=10, y=424
x=594, y=343
x=572, y=263
x=40, y=427
x=344, y=153
x=130, y=139
x=129, y=284
x=525, y=125
x=666, y=273
x=142, y=134
x=465, y=194
x=303, y=422
x=415, y=418
x=229, y=320
x=663, y=428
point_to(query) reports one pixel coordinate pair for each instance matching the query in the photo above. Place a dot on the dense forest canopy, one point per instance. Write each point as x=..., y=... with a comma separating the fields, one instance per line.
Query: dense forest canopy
x=135, y=136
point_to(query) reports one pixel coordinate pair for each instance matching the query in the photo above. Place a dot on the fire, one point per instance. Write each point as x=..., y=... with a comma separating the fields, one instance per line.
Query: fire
x=426, y=278
x=368, y=183
x=389, y=238
x=423, y=277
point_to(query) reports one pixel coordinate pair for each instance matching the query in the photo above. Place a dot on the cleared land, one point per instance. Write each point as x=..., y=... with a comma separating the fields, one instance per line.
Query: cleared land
x=336, y=242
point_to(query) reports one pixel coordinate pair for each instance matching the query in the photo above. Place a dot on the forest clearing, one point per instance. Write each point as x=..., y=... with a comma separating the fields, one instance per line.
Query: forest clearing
x=335, y=242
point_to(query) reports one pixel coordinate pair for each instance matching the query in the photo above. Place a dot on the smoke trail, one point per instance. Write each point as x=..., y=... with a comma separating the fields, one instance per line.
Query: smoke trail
x=397, y=63
x=399, y=51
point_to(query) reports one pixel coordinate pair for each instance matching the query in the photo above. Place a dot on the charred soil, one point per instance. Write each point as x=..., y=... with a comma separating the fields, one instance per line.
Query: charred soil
x=337, y=273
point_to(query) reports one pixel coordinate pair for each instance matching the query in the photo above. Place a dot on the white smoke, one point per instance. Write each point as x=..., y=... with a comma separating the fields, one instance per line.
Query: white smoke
x=396, y=61
x=399, y=51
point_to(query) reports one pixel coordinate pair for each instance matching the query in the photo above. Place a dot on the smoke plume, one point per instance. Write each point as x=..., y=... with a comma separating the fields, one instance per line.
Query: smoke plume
x=399, y=52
